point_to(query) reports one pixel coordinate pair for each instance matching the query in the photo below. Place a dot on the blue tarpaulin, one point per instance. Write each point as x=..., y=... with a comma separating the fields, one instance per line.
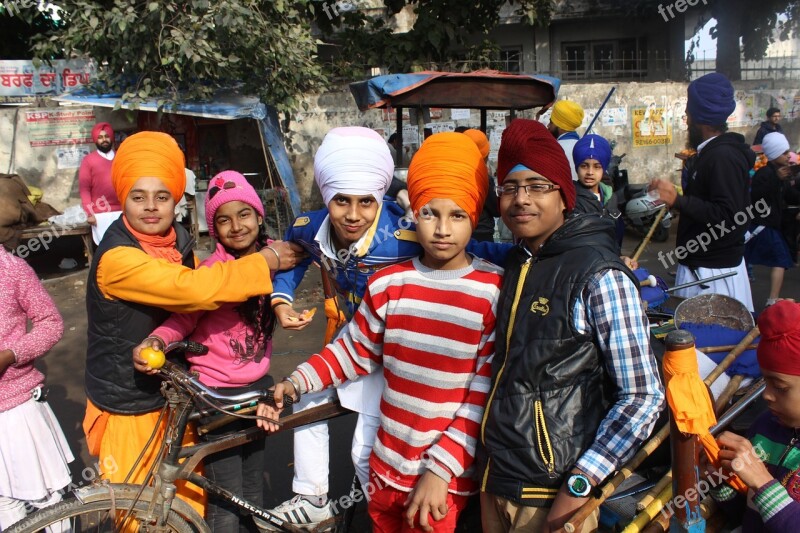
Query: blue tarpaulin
x=223, y=107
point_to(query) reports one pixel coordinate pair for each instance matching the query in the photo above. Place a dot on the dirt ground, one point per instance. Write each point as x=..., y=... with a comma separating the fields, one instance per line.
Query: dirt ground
x=64, y=365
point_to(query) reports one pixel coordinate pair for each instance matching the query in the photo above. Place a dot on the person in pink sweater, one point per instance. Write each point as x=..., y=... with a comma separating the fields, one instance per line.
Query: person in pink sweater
x=238, y=336
x=34, y=454
x=98, y=198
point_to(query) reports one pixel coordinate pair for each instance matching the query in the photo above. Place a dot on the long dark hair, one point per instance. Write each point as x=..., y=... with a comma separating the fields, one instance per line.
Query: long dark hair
x=257, y=312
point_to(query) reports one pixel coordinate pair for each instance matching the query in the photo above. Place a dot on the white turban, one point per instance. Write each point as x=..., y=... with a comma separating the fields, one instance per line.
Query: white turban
x=774, y=145
x=355, y=161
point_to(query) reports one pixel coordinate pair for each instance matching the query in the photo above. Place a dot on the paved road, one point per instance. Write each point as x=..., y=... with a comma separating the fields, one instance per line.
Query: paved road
x=64, y=366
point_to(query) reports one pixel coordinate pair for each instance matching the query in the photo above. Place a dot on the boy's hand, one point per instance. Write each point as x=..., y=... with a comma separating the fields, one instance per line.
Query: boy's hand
x=629, y=262
x=737, y=455
x=564, y=506
x=139, y=363
x=429, y=496
x=268, y=411
x=291, y=319
x=283, y=255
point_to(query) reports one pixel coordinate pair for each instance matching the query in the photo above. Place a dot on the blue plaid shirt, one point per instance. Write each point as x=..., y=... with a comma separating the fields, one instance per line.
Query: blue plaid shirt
x=610, y=308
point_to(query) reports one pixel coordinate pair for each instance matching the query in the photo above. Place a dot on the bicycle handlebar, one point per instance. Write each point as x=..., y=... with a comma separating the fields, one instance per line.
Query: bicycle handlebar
x=183, y=379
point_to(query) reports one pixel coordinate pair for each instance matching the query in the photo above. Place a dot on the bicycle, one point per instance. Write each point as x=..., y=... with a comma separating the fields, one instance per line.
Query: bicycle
x=121, y=506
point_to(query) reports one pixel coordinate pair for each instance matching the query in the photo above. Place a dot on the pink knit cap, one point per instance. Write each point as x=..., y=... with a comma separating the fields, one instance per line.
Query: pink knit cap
x=229, y=186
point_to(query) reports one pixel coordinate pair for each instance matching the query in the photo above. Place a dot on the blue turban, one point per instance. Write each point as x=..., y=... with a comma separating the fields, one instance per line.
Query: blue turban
x=710, y=100
x=592, y=147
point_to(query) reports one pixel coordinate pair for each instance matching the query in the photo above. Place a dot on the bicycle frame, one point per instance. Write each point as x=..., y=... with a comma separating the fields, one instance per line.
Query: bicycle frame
x=180, y=401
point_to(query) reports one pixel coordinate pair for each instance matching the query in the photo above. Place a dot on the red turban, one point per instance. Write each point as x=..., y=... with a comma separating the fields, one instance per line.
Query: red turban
x=102, y=126
x=449, y=165
x=148, y=154
x=480, y=141
x=779, y=347
x=529, y=143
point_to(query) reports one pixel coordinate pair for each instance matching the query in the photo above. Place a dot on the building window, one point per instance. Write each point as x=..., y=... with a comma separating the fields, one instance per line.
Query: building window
x=623, y=58
x=510, y=60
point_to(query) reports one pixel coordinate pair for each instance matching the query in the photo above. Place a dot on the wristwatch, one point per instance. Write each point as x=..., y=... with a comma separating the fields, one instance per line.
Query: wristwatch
x=579, y=485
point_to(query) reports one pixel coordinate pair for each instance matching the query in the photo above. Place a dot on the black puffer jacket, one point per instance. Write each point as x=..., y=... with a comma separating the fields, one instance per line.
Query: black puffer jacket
x=549, y=388
x=715, y=203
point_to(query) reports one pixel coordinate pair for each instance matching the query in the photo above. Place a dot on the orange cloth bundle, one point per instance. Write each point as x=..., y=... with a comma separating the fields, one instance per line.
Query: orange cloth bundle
x=335, y=318
x=148, y=154
x=480, y=141
x=690, y=403
x=449, y=165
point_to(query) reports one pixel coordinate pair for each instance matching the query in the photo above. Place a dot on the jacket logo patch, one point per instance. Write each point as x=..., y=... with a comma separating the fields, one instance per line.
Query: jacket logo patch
x=301, y=221
x=542, y=305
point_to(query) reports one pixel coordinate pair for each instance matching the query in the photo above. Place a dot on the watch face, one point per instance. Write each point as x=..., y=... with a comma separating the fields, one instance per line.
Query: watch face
x=579, y=485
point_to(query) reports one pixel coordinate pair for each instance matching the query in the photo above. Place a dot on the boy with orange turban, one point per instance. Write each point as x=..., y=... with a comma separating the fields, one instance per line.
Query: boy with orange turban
x=575, y=387
x=142, y=271
x=768, y=461
x=428, y=325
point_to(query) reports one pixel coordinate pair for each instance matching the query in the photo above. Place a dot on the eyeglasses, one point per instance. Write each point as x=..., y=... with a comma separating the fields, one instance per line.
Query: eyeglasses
x=537, y=190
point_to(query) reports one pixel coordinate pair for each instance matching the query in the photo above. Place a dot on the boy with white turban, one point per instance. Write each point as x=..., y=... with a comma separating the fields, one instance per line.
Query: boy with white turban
x=357, y=235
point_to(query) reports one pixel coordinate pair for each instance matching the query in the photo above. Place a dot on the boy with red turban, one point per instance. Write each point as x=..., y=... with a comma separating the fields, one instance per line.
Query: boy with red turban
x=428, y=325
x=768, y=461
x=142, y=271
x=575, y=387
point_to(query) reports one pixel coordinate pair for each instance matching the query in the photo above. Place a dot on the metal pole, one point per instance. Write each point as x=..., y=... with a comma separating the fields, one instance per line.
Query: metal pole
x=589, y=129
x=483, y=120
x=701, y=281
x=686, y=449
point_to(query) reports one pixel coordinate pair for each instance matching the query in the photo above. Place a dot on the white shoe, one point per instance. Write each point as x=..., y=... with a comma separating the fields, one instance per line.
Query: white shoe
x=299, y=512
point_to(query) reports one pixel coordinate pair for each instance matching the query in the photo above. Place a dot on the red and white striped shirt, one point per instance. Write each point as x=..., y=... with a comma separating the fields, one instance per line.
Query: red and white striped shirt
x=433, y=332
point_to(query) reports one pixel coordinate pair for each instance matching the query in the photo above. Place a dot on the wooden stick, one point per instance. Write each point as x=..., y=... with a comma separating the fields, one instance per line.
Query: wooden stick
x=645, y=517
x=646, y=240
x=731, y=357
x=726, y=348
x=651, y=495
x=728, y=392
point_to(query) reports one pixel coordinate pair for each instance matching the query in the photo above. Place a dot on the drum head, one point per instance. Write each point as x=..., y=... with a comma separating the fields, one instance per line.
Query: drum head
x=714, y=309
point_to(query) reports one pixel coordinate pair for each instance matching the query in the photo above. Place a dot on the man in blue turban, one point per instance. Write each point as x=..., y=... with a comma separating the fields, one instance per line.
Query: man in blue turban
x=714, y=206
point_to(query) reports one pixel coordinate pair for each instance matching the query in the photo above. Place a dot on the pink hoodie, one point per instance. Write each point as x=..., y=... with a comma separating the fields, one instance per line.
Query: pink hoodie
x=232, y=359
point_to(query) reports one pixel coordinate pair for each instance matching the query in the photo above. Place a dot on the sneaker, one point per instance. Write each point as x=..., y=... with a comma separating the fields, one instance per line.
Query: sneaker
x=299, y=512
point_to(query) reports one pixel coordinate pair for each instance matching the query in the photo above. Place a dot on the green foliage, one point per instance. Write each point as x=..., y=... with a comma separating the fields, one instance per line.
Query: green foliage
x=439, y=35
x=179, y=51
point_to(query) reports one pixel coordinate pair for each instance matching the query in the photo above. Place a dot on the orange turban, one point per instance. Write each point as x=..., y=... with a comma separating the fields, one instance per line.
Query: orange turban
x=480, y=140
x=449, y=165
x=148, y=154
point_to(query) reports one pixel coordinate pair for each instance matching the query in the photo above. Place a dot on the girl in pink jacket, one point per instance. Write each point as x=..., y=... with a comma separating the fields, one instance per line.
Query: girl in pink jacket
x=238, y=336
x=33, y=450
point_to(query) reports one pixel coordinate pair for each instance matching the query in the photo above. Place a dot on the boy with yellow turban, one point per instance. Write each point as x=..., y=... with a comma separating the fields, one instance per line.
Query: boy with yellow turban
x=567, y=116
x=427, y=327
x=575, y=385
x=142, y=271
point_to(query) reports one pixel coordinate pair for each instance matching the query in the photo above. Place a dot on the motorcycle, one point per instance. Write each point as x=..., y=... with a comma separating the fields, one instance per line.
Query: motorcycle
x=636, y=206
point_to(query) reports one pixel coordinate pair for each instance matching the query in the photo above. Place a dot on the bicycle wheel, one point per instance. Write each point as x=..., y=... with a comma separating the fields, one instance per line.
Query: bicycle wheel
x=90, y=510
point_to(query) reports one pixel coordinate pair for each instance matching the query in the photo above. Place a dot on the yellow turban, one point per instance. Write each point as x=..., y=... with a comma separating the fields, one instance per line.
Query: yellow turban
x=148, y=154
x=449, y=165
x=480, y=140
x=567, y=115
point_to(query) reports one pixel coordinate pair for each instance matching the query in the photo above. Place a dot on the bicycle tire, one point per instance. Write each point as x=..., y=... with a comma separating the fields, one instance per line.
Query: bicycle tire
x=91, y=513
